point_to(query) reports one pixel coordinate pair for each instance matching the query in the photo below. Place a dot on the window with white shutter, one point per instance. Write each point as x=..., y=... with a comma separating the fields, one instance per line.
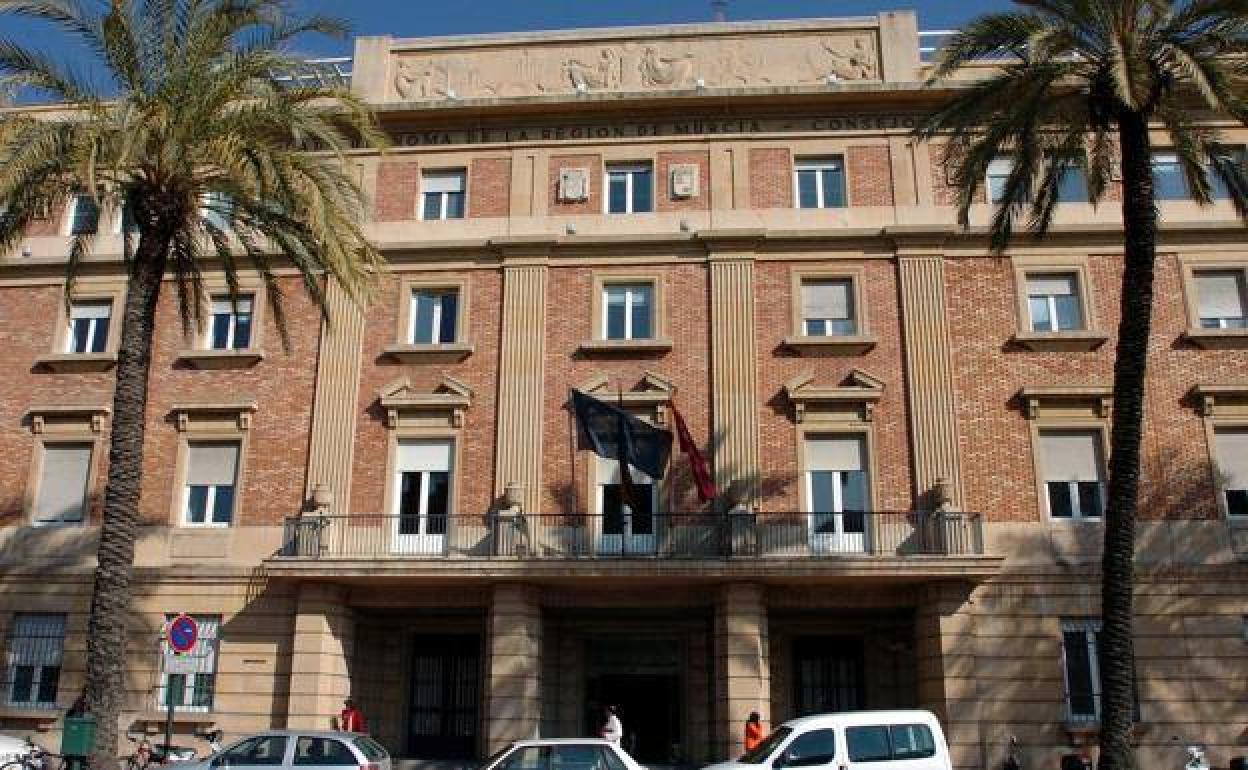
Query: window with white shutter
x=630, y=188
x=88, y=326
x=211, y=475
x=819, y=183
x=1073, y=463
x=231, y=323
x=1222, y=299
x=1053, y=299
x=33, y=653
x=828, y=308
x=63, y=480
x=1232, y=468
x=433, y=316
x=442, y=194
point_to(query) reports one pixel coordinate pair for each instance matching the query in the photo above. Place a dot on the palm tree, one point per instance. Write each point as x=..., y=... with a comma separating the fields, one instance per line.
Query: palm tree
x=185, y=123
x=1088, y=84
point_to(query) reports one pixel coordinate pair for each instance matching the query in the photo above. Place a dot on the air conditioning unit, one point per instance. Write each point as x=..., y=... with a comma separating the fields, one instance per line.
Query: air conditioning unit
x=684, y=181
x=573, y=185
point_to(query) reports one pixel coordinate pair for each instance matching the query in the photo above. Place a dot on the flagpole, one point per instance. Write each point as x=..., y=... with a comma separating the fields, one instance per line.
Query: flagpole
x=575, y=481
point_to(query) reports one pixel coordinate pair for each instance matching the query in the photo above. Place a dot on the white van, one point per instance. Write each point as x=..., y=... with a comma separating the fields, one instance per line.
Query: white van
x=851, y=740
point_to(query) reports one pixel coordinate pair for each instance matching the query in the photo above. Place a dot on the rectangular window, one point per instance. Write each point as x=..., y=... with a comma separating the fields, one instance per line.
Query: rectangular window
x=1073, y=478
x=630, y=188
x=627, y=524
x=84, y=216
x=1239, y=157
x=1222, y=299
x=1231, y=446
x=1072, y=184
x=837, y=492
x=820, y=183
x=1169, y=183
x=231, y=323
x=88, y=326
x=35, y=645
x=433, y=316
x=211, y=475
x=999, y=170
x=192, y=685
x=216, y=210
x=828, y=308
x=424, y=493
x=63, y=479
x=1080, y=647
x=442, y=194
x=628, y=311
x=1053, y=299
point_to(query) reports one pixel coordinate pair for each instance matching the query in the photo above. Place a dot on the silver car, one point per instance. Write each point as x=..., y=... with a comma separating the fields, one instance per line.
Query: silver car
x=562, y=754
x=278, y=749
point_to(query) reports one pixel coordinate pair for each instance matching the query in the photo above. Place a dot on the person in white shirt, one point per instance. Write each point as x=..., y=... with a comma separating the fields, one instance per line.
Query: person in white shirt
x=612, y=729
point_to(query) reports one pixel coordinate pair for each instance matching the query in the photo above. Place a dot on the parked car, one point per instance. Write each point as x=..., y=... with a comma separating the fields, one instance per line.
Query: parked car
x=561, y=754
x=12, y=749
x=274, y=749
x=852, y=740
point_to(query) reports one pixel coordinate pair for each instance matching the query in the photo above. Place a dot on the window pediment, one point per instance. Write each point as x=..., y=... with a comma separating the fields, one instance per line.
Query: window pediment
x=648, y=398
x=853, y=399
x=209, y=415
x=1216, y=400
x=53, y=417
x=1067, y=401
x=447, y=400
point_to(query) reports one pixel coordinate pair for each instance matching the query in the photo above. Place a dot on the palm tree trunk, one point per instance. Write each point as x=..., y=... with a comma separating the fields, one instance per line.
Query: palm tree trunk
x=110, y=601
x=1117, y=654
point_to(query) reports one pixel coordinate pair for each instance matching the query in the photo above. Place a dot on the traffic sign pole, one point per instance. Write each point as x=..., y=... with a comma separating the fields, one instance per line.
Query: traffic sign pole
x=181, y=635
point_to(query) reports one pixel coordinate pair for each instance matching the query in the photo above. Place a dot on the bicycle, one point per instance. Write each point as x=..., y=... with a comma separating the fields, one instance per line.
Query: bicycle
x=147, y=754
x=36, y=758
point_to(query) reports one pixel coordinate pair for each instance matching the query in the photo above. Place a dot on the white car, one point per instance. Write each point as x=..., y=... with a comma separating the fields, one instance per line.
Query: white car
x=277, y=749
x=561, y=754
x=851, y=740
x=12, y=749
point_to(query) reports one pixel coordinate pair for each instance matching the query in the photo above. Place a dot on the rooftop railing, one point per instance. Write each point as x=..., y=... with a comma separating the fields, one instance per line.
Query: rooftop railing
x=545, y=536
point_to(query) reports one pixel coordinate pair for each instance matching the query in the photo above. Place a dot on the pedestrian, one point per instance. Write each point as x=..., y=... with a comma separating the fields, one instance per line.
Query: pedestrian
x=612, y=729
x=351, y=720
x=79, y=707
x=753, y=731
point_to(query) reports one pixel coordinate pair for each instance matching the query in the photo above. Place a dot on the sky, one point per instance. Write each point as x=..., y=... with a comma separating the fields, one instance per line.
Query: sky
x=419, y=18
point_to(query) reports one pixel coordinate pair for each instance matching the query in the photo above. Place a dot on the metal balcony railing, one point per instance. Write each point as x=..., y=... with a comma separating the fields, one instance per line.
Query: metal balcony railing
x=546, y=536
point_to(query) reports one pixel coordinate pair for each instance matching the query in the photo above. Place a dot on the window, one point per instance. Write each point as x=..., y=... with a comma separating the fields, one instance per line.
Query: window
x=84, y=215
x=442, y=195
x=1080, y=645
x=216, y=210
x=231, y=323
x=313, y=751
x=261, y=750
x=1169, y=183
x=1073, y=480
x=868, y=744
x=1053, y=299
x=434, y=313
x=1222, y=299
x=35, y=645
x=836, y=491
x=626, y=524
x=628, y=311
x=630, y=188
x=88, y=326
x=1239, y=157
x=424, y=495
x=1072, y=184
x=819, y=183
x=211, y=474
x=192, y=687
x=880, y=743
x=126, y=221
x=999, y=170
x=817, y=747
x=912, y=741
x=828, y=308
x=63, y=479
x=526, y=758
x=579, y=757
x=1231, y=446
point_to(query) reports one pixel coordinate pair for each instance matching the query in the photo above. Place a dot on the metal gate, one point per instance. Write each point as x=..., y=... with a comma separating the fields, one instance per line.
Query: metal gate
x=828, y=674
x=445, y=692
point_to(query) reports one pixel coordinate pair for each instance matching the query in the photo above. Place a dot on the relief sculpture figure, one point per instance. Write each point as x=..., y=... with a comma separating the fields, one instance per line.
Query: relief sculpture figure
x=858, y=63
x=420, y=78
x=665, y=71
x=604, y=74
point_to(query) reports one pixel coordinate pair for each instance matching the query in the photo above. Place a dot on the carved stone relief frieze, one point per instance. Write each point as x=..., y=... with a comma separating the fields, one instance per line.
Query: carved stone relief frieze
x=636, y=66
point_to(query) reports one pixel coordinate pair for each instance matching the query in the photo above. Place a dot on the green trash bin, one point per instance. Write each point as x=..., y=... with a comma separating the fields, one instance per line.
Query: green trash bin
x=78, y=738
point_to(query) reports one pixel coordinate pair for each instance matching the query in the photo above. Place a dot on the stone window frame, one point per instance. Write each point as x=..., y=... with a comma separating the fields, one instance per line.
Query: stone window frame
x=816, y=425
x=799, y=154
x=464, y=169
x=1057, y=409
x=1210, y=339
x=657, y=342
x=1087, y=339
x=1221, y=407
x=207, y=423
x=200, y=355
x=403, y=349
x=421, y=425
x=58, y=425
x=103, y=220
x=650, y=407
x=849, y=345
x=57, y=359
x=629, y=162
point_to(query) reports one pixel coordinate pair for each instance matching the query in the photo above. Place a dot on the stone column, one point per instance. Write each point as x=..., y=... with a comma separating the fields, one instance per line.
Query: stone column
x=742, y=663
x=734, y=377
x=514, y=666
x=946, y=661
x=320, y=675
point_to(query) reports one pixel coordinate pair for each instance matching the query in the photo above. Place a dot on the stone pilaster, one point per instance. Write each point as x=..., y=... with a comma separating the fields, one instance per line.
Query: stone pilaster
x=320, y=676
x=734, y=378
x=945, y=653
x=933, y=418
x=515, y=666
x=335, y=404
x=521, y=382
x=742, y=662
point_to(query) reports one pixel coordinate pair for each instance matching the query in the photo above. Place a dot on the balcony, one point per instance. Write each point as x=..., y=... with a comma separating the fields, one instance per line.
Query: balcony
x=876, y=543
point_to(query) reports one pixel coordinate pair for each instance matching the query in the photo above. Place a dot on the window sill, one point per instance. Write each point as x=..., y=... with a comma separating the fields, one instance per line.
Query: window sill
x=607, y=347
x=1217, y=339
x=77, y=362
x=411, y=354
x=155, y=718
x=221, y=359
x=846, y=345
x=26, y=714
x=1082, y=341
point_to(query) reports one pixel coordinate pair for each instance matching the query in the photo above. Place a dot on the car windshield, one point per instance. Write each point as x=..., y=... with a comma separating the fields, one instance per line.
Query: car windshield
x=493, y=758
x=370, y=748
x=764, y=749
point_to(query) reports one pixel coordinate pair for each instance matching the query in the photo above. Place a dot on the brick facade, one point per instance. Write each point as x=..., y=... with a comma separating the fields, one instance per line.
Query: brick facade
x=771, y=180
x=489, y=187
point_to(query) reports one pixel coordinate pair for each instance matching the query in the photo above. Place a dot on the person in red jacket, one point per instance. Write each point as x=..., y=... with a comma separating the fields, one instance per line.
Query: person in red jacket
x=753, y=731
x=351, y=719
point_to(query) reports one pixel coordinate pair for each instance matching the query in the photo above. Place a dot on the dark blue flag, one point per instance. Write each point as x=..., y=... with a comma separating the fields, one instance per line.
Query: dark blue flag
x=614, y=433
